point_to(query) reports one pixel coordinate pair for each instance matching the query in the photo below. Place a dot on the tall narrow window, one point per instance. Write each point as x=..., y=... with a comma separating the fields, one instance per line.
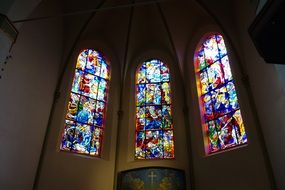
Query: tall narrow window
x=86, y=111
x=154, y=128
x=220, y=110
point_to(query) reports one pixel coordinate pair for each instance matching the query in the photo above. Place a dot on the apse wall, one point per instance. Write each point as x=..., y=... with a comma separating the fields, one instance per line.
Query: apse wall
x=268, y=92
x=27, y=89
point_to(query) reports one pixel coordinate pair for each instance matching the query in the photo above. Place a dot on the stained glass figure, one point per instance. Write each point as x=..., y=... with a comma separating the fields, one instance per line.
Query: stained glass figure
x=154, y=128
x=86, y=110
x=220, y=111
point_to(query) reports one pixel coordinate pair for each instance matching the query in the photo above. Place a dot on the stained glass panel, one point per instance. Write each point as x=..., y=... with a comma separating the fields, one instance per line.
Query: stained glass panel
x=140, y=145
x=153, y=94
x=68, y=135
x=200, y=62
x=154, y=144
x=141, y=94
x=154, y=129
x=164, y=71
x=82, y=138
x=72, y=106
x=153, y=71
x=76, y=82
x=166, y=117
x=86, y=108
x=85, y=117
x=141, y=78
x=220, y=109
x=204, y=82
x=211, y=50
x=215, y=75
x=140, y=115
x=168, y=144
x=95, y=144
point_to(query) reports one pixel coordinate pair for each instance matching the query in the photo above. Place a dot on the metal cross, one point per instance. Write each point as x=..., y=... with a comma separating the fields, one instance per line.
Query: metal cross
x=152, y=175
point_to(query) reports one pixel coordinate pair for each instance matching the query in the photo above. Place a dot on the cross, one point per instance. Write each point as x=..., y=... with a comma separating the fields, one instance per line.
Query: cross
x=152, y=176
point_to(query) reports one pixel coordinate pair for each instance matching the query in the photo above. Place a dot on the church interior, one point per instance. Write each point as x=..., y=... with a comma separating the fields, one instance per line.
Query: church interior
x=45, y=41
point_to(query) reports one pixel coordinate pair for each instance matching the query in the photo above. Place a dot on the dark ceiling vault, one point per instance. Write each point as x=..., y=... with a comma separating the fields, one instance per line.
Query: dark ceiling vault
x=106, y=8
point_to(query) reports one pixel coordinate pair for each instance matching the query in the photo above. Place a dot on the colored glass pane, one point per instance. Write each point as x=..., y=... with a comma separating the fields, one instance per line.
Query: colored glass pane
x=211, y=50
x=86, y=110
x=154, y=131
x=220, y=110
x=166, y=117
x=140, y=145
x=201, y=62
x=154, y=144
x=168, y=144
x=153, y=94
x=141, y=94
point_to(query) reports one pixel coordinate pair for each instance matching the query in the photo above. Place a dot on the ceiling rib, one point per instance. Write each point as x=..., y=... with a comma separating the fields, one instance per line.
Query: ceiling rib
x=172, y=44
x=120, y=112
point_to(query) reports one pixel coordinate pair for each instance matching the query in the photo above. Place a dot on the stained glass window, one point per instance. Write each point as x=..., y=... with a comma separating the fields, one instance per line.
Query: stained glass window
x=220, y=110
x=154, y=127
x=86, y=110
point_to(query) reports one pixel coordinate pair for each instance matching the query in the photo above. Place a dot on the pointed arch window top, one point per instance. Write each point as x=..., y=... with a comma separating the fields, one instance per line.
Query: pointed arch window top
x=153, y=71
x=220, y=110
x=86, y=111
x=154, y=128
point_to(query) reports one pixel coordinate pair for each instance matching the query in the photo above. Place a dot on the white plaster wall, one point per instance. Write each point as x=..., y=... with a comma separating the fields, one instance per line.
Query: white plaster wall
x=27, y=88
x=268, y=91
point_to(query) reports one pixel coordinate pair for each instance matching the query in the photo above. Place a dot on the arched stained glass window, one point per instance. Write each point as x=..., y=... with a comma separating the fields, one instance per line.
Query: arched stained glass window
x=154, y=127
x=220, y=110
x=86, y=110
